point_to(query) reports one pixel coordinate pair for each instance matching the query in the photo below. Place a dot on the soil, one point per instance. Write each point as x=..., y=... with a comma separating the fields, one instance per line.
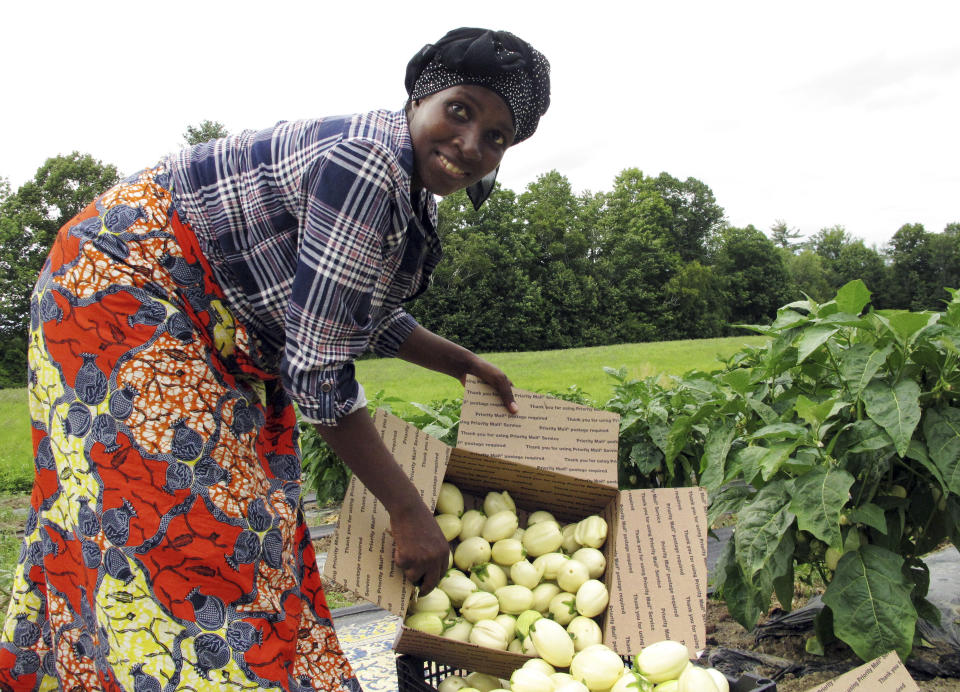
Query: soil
x=725, y=632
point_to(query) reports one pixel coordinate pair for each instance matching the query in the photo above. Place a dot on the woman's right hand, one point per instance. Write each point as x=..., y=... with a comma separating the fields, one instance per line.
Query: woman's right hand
x=420, y=549
x=421, y=553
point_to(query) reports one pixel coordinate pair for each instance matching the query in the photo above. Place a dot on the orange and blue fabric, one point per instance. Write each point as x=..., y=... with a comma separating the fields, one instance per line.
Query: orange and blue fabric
x=165, y=546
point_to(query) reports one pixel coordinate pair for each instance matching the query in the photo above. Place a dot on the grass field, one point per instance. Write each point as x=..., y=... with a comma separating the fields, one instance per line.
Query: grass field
x=556, y=370
x=16, y=448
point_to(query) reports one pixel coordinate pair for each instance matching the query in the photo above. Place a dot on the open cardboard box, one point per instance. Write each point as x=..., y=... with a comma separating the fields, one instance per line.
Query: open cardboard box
x=553, y=455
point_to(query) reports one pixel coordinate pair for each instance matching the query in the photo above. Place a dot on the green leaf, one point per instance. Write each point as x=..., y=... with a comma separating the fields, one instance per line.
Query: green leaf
x=776, y=456
x=647, y=458
x=785, y=582
x=761, y=525
x=778, y=431
x=894, y=408
x=715, y=451
x=904, y=325
x=918, y=452
x=766, y=413
x=870, y=600
x=748, y=459
x=745, y=602
x=942, y=430
x=869, y=514
x=860, y=363
x=788, y=318
x=812, y=338
x=853, y=297
x=728, y=500
x=677, y=439
x=818, y=499
x=739, y=380
x=812, y=412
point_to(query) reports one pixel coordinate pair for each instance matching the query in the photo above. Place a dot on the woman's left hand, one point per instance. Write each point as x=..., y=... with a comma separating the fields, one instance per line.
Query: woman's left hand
x=496, y=378
x=429, y=350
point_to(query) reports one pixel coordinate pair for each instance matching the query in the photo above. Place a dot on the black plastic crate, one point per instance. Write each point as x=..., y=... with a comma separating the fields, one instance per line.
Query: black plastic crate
x=417, y=675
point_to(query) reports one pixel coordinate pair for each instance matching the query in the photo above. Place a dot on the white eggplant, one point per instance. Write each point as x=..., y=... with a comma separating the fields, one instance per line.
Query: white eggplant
x=542, y=595
x=662, y=661
x=530, y=680
x=496, y=502
x=550, y=564
x=591, y=532
x=539, y=516
x=598, y=667
x=514, y=599
x=553, y=642
x=501, y=525
x=450, y=500
x=585, y=632
x=571, y=575
x=592, y=598
x=563, y=608
x=480, y=605
x=489, y=634
x=696, y=679
x=526, y=573
x=489, y=576
x=471, y=523
x=508, y=551
x=471, y=552
x=457, y=586
x=594, y=560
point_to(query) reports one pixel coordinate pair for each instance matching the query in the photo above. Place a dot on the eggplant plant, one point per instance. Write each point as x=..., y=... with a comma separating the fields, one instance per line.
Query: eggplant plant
x=836, y=446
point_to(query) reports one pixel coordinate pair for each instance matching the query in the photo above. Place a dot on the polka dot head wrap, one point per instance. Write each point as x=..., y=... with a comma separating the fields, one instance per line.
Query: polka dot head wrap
x=498, y=60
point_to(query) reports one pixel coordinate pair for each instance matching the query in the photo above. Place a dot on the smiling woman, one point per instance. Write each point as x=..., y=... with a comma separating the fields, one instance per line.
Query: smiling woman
x=175, y=324
x=459, y=136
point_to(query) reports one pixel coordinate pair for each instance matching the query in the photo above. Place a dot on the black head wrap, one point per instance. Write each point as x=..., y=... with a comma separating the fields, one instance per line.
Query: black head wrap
x=497, y=60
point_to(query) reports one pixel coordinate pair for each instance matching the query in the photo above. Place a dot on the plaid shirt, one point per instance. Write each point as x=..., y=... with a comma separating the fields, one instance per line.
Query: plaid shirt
x=311, y=232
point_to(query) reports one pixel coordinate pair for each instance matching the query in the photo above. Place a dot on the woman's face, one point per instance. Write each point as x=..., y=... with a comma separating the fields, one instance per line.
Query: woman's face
x=459, y=135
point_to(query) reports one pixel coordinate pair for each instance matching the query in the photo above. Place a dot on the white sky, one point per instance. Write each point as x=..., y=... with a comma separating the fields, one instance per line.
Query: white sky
x=818, y=113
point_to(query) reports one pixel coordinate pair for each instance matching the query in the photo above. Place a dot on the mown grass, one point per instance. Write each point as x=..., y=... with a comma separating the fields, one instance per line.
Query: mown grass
x=16, y=447
x=541, y=371
x=13, y=509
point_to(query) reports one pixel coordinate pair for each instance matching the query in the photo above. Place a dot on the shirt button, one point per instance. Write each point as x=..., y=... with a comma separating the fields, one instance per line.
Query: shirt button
x=326, y=387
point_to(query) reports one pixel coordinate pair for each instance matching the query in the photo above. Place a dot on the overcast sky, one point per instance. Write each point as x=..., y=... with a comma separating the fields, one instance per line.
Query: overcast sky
x=816, y=113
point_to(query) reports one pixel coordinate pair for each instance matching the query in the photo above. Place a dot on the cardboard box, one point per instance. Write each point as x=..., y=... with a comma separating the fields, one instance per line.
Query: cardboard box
x=883, y=674
x=553, y=455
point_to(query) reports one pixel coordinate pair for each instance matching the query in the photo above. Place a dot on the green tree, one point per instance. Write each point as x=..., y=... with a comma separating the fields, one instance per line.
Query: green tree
x=808, y=275
x=911, y=269
x=857, y=261
x=204, y=132
x=783, y=236
x=481, y=295
x=756, y=280
x=636, y=258
x=29, y=221
x=695, y=215
x=560, y=241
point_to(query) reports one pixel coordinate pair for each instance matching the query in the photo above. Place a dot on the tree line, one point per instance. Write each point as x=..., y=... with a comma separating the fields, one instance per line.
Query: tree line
x=651, y=259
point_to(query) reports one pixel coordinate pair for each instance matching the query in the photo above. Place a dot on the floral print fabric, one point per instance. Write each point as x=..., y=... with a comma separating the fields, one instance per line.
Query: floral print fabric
x=165, y=547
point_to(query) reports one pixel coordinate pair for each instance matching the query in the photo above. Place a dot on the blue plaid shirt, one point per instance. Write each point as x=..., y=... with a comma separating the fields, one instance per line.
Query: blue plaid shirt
x=312, y=234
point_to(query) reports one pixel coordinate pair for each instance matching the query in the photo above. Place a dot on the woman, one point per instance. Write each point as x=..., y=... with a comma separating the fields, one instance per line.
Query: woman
x=178, y=319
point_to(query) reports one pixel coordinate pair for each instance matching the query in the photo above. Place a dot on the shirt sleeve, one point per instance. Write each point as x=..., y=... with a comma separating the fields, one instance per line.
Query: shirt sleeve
x=348, y=211
x=391, y=332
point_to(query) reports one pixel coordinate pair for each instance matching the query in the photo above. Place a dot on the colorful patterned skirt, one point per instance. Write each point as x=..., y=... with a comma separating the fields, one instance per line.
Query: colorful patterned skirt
x=165, y=547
